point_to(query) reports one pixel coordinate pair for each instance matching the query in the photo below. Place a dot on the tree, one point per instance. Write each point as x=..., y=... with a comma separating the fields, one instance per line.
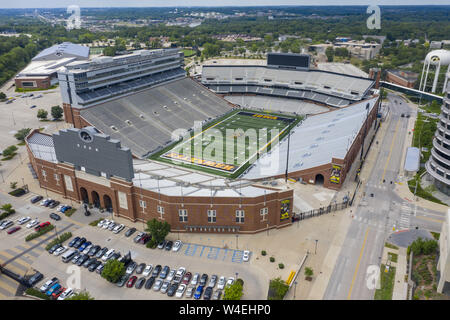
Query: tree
x=42, y=114
x=2, y=96
x=233, y=291
x=309, y=272
x=13, y=185
x=277, y=289
x=10, y=151
x=7, y=207
x=57, y=112
x=83, y=295
x=22, y=133
x=330, y=54
x=113, y=270
x=158, y=229
x=109, y=51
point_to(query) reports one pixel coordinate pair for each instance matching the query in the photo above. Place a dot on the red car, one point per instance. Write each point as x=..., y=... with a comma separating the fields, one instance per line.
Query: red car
x=57, y=293
x=146, y=238
x=186, y=278
x=13, y=229
x=131, y=281
x=42, y=225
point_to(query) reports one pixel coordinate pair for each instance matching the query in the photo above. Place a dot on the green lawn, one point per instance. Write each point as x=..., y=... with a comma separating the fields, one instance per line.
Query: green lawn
x=386, y=284
x=226, y=146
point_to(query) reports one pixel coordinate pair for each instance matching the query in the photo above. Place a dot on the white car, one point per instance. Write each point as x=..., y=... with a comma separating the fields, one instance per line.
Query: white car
x=23, y=220
x=86, y=250
x=43, y=201
x=157, y=285
x=221, y=283
x=108, y=254
x=5, y=224
x=118, y=228
x=106, y=224
x=60, y=250
x=177, y=245
x=147, y=270
x=195, y=279
x=171, y=275
x=180, y=290
x=189, y=291
x=66, y=294
x=230, y=281
x=165, y=286
x=48, y=284
x=246, y=256
x=32, y=223
x=60, y=207
x=179, y=275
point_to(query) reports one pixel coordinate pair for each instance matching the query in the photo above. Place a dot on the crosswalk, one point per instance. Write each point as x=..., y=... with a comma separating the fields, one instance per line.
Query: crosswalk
x=405, y=216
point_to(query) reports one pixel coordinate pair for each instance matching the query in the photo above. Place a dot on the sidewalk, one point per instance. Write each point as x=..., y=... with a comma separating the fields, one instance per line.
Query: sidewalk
x=400, y=291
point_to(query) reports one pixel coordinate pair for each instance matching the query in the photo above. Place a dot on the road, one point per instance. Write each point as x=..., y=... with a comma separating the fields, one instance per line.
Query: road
x=379, y=211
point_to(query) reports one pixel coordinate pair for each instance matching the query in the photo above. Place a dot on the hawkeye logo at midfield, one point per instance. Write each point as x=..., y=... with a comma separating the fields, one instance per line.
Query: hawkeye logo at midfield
x=202, y=162
x=265, y=116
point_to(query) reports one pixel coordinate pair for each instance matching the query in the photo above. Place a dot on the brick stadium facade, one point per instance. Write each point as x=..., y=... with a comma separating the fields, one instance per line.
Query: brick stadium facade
x=76, y=185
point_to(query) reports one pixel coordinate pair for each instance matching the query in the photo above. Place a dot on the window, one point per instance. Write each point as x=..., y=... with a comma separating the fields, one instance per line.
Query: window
x=142, y=204
x=211, y=216
x=182, y=214
x=160, y=210
x=56, y=176
x=263, y=212
x=240, y=216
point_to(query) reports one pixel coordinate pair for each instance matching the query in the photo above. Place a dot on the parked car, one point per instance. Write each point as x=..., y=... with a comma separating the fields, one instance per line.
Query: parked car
x=42, y=225
x=208, y=293
x=157, y=270
x=172, y=289
x=131, y=281
x=140, y=268
x=35, y=278
x=164, y=272
x=147, y=270
x=217, y=294
x=106, y=224
x=203, y=279
x=116, y=255
x=32, y=223
x=177, y=245
x=84, y=246
x=111, y=226
x=149, y=283
x=186, y=278
x=198, y=292
x=246, y=256
x=73, y=241
x=230, y=281
x=195, y=279
x=162, y=244
x=66, y=294
x=145, y=238
x=221, y=283
x=54, y=247
x=53, y=204
x=60, y=250
x=36, y=199
x=138, y=237
x=57, y=293
x=171, y=274
x=13, y=229
x=76, y=257
x=52, y=289
x=165, y=286
x=82, y=260
x=179, y=275
x=212, y=281
x=189, y=292
x=180, y=290
x=23, y=220
x=100, y=267
x=87, y=249
x=55, y=216
x=48, y=284
x=79, y=243
x=123, y=279
x=118, y=228
x=93, y=250
x=6, y=224
x=45, y=201
x=88, y=262
x=131, y=267
x=101, y=252
x=65, y=208
x=168, y=245
x=94, y=265
x=130, y=232
x=157, y=285
x=139, y=283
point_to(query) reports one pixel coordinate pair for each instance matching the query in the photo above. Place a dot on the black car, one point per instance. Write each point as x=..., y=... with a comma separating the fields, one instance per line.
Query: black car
x=53, y=204
x=208, y=293
x=36, y=199
x=140, y=268
x=79, y=243
x=172, y=289
x=140, y=283
x=82, y=260
x=94, y=265
x=130, y=232
x=94, y=250
x=73, y=241
x=52, y=249
x=164, y=272
x=122, y=280
x=54, y=216
x=168, y=245
x=149, y=283
x=156, y=270
x=115, y=256
x=88, y=262
x=101, y=252
x=35, y=278
x=203, y=279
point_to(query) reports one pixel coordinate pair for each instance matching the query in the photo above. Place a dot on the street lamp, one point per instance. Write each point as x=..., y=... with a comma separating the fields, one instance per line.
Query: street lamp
x=315, y=249
x=295, y=288
x=237, y=237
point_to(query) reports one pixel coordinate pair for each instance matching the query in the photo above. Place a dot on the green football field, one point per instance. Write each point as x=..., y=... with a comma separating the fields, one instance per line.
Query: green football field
x=231, y=143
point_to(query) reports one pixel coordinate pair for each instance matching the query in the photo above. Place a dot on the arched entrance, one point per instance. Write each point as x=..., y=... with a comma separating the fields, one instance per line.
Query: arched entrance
x=108, y=203
x=319, y=179
x=84, y=195
x=95, y=199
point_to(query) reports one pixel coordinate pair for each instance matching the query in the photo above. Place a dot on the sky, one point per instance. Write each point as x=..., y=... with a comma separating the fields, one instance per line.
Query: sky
x=201, y=3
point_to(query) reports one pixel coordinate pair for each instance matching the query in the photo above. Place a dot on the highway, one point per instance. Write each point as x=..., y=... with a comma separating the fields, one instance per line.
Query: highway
x=378, y=212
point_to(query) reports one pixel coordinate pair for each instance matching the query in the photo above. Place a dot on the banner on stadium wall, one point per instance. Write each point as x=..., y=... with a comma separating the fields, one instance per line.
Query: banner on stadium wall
x=285, y=208
x=335, y=176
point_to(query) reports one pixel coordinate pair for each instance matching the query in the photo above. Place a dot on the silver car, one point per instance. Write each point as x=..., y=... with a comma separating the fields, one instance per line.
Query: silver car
x=157, y=285
x=165, y=286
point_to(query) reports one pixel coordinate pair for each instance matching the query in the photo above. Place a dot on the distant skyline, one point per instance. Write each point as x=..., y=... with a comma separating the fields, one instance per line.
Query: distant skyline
x=23, y=4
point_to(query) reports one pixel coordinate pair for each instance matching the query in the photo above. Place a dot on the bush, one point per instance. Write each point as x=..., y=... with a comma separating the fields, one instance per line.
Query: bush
x=42, y=114
x=39, y=233
x=10, y=151
x=36, y=293
x=95, y=222
x=151, y=244
x=281, y=266
x=263, y=253
x=277, y=289
x=22, y=133
x=57, y=112
x=113, y=270
x=272, y=259
x=65, y=236
x=69, y=212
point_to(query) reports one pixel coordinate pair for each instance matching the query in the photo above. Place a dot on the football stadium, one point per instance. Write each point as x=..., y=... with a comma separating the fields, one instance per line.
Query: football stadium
x=147, y=141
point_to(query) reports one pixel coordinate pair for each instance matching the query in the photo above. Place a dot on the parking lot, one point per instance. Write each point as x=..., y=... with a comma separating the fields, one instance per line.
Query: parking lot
x=207, y=262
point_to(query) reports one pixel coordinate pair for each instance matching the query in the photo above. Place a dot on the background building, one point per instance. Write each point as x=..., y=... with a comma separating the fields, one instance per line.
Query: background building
x=402, y=78
x=444, y=257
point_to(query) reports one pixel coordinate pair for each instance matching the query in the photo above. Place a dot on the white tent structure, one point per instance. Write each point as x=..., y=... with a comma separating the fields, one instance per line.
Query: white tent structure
x=436, y=58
